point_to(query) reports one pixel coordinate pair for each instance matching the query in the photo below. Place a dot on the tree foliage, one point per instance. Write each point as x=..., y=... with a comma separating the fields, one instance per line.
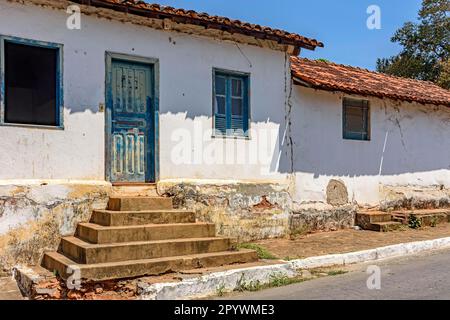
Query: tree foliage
x=425, y=45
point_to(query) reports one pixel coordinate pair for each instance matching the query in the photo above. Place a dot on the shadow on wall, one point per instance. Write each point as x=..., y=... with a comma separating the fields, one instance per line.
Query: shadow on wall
x=405, y=138
x=262, y=149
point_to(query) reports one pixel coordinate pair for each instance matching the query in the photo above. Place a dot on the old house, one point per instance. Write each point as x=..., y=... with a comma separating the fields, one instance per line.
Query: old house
x=138, y=94
x=217, y=115
x=383, y=138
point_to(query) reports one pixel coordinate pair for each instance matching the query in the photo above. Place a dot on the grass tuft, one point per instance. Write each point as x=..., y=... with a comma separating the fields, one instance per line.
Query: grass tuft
x=336, y=272
x=262, y=252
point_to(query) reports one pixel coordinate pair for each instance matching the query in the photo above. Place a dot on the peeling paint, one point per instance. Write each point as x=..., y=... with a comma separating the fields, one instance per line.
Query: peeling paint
x=245, y=211
x=34, y=217
x=414, y=197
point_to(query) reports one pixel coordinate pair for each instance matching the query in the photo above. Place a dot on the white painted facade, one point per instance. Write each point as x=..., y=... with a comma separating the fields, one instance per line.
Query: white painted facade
x=77, y=152
x=417, y=150
x=52, y=178
x=409, y=147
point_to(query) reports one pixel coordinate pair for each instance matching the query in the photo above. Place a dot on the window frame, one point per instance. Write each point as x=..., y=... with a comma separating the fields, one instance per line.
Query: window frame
x=246, y=110
x=347, y=135
x=59, y=81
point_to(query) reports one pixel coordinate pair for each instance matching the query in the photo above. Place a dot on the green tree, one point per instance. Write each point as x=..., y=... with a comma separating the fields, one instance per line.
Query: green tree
x=425, y=45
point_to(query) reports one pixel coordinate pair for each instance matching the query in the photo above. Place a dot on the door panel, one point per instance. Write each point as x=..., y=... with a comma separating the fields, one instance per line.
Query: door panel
x=132, y=129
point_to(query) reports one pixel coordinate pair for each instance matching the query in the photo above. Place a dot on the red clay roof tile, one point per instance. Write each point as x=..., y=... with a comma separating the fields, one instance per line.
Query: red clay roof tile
x=335, y=77
x=192, y=17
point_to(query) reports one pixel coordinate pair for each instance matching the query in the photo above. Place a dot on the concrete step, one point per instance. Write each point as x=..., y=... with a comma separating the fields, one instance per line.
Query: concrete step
x=87, y=253
x=426, y=220
x=365, y=219
x=139, y=203
x=57, y=262
x=400, y=218
x=428, y=217
x=127, y=218
x=384, y=226
x=134, y=190
x=95, y=233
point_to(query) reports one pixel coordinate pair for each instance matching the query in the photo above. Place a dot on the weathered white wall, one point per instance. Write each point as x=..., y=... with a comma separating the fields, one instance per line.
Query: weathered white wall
x=52, y=179
x=417, y=152
x=185, y=85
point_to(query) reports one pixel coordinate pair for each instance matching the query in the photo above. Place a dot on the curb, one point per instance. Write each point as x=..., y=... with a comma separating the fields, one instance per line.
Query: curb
x=227, y=281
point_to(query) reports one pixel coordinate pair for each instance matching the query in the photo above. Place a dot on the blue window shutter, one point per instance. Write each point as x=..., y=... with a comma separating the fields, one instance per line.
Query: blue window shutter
x=235, y=119
x=220, y=93
x=237, y=123
x=246, y=111
x=228, y=104
x=220, y=124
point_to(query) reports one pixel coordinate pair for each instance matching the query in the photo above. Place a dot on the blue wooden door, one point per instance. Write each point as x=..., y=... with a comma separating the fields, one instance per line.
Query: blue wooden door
x=132, y=123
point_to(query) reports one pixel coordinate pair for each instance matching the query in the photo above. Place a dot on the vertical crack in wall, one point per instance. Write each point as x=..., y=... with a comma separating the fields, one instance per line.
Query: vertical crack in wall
x=288, y=107
x=397, y=122
x=244, y=55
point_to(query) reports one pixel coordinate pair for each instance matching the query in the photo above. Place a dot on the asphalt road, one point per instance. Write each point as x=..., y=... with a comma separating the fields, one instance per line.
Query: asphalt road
x=421, y=277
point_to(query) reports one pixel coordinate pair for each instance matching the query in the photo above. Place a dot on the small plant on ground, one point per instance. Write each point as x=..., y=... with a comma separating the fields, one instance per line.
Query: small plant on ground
x=279, y=280
x=242, y=286
x=336, y=272
x=324, y=273
x=414, y=222
x=253, y=286
x=262, y=252
x=434, y=222
x=220, y=290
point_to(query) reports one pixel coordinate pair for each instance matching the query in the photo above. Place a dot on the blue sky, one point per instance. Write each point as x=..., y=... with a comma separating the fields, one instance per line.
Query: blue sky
x=340, y=25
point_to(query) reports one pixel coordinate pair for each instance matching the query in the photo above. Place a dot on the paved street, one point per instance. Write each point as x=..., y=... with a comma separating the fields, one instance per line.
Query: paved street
x=425, y=276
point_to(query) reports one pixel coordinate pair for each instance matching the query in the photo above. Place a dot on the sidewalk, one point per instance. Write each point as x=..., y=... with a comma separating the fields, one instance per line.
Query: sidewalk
x=345, y=241
x=321, y=250
x=316, y=251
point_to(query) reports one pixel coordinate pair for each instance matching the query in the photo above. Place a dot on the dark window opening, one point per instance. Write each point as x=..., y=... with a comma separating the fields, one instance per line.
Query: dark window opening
x=30, y=85
x=356, y=119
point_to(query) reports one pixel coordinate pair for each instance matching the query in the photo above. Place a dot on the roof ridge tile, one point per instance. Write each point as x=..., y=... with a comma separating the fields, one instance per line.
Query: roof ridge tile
x=329, y=75
x=194, y=17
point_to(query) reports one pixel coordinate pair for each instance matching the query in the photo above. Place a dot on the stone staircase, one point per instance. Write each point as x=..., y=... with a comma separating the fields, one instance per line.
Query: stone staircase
x=389, y=221
x=141, y=236
x=427, y=217
x=377, y=221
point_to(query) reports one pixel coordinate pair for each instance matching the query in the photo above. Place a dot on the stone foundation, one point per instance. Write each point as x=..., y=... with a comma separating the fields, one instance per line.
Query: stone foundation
x=33, y=217
x=245, y=211
x=307, y=218
x=414, y=197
